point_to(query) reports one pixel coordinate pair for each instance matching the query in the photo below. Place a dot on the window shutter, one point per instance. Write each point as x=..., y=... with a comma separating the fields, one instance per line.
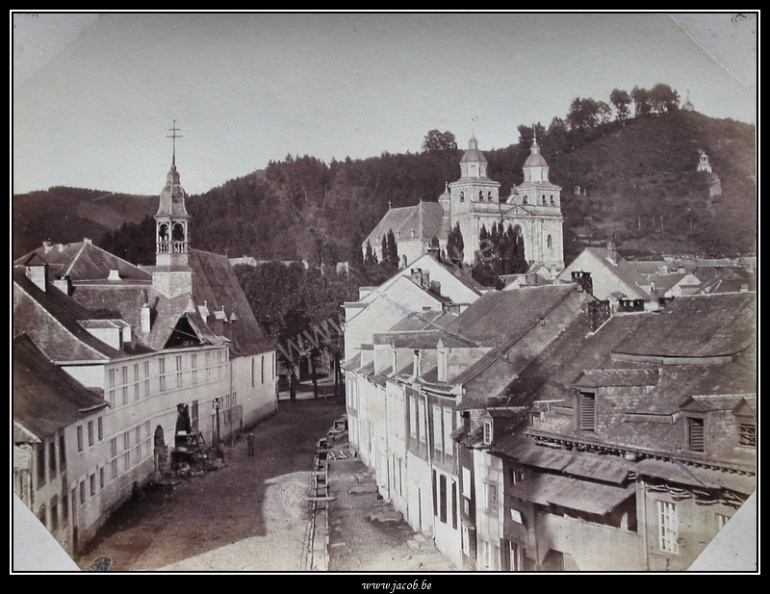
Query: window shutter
x=587, y=411
x=696, y=434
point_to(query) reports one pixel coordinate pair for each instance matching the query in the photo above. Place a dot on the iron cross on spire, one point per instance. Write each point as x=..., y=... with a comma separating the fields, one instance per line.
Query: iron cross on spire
x=173, y=136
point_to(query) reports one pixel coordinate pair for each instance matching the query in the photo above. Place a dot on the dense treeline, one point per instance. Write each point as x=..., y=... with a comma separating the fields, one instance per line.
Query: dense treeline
x=627, y=166
x=299, y=309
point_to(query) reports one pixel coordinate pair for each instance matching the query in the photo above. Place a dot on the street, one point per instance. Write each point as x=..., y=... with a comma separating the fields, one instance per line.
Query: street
x=250, y=515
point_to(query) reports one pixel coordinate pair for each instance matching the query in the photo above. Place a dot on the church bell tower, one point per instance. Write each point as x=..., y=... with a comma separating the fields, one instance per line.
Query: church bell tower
x=172, y=223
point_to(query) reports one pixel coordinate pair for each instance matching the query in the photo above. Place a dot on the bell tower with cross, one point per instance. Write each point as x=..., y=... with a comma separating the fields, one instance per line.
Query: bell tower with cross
x=172, y=276
x=172, y=223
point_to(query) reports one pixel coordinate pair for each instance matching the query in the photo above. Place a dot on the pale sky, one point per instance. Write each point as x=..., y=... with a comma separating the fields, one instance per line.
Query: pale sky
x=94, y=96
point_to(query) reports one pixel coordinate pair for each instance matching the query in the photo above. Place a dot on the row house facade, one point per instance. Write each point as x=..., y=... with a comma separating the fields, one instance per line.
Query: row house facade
x=165, y=350
x=539, y=431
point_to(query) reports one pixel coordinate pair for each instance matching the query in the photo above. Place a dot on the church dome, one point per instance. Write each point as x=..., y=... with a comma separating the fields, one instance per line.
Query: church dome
x=535, y=159
x=473, y=154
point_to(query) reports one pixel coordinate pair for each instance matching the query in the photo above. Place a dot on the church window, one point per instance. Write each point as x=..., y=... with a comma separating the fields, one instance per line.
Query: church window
x=552, y=202
x=524, y=200
x=549, y=242
x=489, y=196
x=462, y=196
x=543, y=198
x=481, y=196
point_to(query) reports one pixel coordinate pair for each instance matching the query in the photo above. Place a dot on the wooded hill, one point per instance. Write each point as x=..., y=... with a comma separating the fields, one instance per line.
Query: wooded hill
x=639, y=178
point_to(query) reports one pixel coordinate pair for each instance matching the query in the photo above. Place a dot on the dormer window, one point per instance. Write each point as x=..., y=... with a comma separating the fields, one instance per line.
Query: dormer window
x=488, y=432
x=587, y=411
x=747, y=434
x=695, y=434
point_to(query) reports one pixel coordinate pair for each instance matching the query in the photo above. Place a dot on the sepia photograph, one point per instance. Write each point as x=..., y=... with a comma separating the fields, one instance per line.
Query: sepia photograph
x=394, y=296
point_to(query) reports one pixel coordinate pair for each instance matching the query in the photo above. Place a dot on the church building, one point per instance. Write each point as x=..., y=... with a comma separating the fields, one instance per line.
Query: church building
x=532, y=211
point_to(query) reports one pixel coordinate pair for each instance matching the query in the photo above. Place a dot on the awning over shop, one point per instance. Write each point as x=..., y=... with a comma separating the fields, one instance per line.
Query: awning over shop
x=585, y=496
x=678, y=472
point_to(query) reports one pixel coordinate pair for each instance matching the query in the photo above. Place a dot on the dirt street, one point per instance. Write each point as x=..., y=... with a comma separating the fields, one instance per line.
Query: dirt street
x=248, y=516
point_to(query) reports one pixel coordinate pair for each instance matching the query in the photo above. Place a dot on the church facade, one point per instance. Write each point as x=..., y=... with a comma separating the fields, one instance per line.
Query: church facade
x=532, y=211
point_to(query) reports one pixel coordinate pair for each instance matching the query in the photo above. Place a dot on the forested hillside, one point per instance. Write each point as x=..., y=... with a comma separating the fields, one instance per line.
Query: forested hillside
x=637, y=177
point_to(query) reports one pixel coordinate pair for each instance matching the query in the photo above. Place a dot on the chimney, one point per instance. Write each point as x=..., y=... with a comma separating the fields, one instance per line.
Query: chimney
x=87, y=241
x=612, y=255
x=114, y=275
x=64, y=284
x=47, y=247
x=583, y=279
x=598, y=313
x=38, y=274
x=416, y=275
x=426, y=279
x=435, y=287
x=144, y=316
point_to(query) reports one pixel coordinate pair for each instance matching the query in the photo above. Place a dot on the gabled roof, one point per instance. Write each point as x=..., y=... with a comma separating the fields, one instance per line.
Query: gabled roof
x=215, y=285
x=418, y=223
x=501, y=316
x=53, y=320
x=45, y=398
x=626, y=272
x=84, y=261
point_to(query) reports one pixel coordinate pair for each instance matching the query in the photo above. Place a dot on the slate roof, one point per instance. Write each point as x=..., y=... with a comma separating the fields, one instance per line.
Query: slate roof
x=52, y=319
x=414, y=223
x=499, y=317
x=39, y=386
x=696, y=326
x=84, y=261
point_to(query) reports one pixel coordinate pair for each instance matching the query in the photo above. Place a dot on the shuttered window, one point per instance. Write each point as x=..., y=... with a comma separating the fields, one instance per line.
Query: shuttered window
x=587, y=411
x=695, y=435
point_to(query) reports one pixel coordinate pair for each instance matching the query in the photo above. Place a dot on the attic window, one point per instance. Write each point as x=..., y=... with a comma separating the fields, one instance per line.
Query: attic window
x=587, y=411
x=488, y=434
x=695, y=434
x=747, y=434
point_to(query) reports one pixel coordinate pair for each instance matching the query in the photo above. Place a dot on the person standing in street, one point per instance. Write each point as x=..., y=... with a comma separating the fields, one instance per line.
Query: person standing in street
x=250, y=441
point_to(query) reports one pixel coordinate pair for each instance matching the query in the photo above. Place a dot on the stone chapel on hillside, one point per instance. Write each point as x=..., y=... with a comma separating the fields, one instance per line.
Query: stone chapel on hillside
x=532, y=210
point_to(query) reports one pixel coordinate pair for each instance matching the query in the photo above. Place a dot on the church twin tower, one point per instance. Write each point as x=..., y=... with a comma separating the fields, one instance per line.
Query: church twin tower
x=532, y=211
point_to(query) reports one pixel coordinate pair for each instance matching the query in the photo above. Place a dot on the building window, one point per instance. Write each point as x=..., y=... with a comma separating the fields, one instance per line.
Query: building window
x=552, y=202
x=489, y=196
x=695, y=435
x=137, y=379
x=179, y=381
x=667, y=527
x=747, y=434
x=262, y=370
x=62, y=453
x=253, y=372
x=466, y=539
x=100, y=428
x=549, y=242
x=65, y=506
x=454, y=504
x=437, y=437
x=124, y=390
x=516, y=476
x=40, y=463
x=422, y=418
x=515, y=561
x=490, y=497
x=488, y=432
x=101, y=478
x=52, y=457
x=146, y=378
x=524, y=200
x=82, y=492
x=90, y=433
x=467, y=485
x=462, y=196
x=448, y=442
x=92, y=484
x=80, y=438
x=441, y=356
x=162, y=374
x=442, y=498
x=486, y=555
x=587, y=411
